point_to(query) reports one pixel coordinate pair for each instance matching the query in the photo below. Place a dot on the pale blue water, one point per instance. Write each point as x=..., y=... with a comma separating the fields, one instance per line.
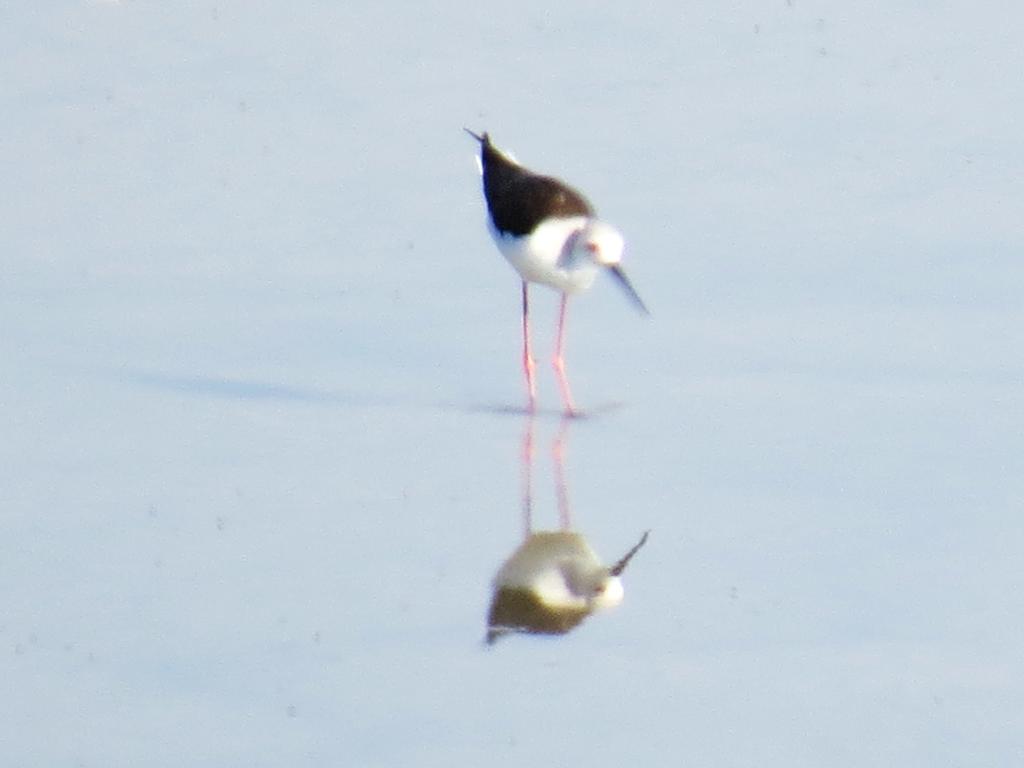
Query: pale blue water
x=259, y=352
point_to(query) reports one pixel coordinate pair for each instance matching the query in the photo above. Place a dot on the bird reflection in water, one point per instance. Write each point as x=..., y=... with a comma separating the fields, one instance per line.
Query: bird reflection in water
x=553, y=580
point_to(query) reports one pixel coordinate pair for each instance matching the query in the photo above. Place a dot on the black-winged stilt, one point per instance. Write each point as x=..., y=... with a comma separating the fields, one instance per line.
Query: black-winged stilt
x=550, y=233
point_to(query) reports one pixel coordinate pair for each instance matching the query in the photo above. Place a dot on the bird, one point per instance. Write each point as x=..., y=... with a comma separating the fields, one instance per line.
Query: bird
x=550, y=233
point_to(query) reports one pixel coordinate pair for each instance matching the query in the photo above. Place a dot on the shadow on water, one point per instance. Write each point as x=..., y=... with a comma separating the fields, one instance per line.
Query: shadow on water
x=243, y=389
x=554, y=579
x=197, y=385
x=519, y=410
x=224, y=388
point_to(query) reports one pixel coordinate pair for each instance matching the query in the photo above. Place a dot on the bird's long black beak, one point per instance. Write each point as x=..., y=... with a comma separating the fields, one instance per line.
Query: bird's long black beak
x=620, y=566
x=627, y=286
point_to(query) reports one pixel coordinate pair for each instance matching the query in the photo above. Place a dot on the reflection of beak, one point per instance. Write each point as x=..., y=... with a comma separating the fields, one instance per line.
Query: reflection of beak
x=627, y=286
x=619, y=567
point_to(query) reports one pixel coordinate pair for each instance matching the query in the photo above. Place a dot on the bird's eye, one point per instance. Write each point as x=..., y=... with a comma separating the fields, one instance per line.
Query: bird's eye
x=592, y=247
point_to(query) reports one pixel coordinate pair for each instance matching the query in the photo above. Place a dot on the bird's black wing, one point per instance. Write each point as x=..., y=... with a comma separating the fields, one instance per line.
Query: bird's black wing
x=519, y=199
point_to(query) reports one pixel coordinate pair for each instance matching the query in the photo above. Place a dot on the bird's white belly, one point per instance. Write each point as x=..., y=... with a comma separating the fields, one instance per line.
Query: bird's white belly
x=536, y=257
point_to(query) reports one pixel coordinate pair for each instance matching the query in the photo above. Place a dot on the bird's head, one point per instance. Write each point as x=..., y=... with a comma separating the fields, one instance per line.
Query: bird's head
x=602, y=244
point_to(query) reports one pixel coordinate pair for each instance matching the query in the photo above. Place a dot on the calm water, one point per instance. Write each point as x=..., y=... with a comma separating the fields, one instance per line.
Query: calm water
x=263, y=457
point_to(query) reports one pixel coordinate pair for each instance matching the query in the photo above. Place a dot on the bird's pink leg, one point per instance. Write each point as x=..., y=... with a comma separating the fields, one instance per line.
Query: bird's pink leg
x=559, y=360
x=526, y=466
x=528, y=364
x=561, y=485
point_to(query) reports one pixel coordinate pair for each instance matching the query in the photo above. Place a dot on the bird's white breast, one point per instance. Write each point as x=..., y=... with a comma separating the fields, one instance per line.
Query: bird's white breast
x=536, y=257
